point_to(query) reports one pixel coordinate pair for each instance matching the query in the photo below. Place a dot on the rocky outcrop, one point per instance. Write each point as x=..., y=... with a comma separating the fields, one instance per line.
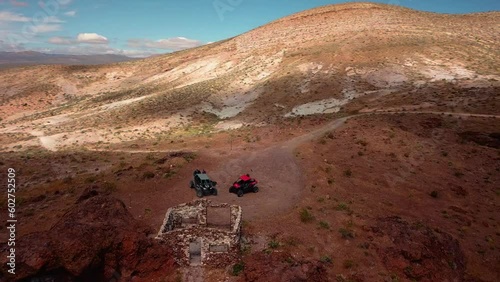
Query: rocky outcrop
x=97, y=240
x=418, y=252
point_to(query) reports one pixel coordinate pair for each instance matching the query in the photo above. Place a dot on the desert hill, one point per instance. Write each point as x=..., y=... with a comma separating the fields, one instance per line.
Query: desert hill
x=324, y=60
x=373, y=131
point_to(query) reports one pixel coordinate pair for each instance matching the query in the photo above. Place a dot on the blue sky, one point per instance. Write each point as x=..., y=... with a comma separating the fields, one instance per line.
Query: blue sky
x=141, y=28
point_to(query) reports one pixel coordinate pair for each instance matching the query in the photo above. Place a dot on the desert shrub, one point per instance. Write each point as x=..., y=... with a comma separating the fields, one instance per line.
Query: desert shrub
x=273, y=244
x=238, y=268
x=169, y=173
x=326, y=259
x=342, y=207
x=90, y=179
x=148, y=175
x=189, y=157
x=346, y=233
x=324, y=225
x=348, y=263
x=306, y=216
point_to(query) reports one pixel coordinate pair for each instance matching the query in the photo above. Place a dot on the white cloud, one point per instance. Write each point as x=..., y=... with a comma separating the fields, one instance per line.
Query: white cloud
x=82, y=38
x=91, y=38
x=6, y=16
x=52, y=19
x=61, y=40
x=7, y=46
x=174, y=44
x=70, y=13
x=64, y=2
x=43, y=28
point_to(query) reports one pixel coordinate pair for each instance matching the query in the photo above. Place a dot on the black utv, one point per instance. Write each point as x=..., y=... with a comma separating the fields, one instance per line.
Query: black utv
x=202, y=184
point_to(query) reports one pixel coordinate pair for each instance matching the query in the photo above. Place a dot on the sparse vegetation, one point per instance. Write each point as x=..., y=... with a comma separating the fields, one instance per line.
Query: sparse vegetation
x=90, y=179
x=273, y=244
x=189, y=157
x=340, y=171
x=326, y=259
x=342, y=207
x=148, y=175
x=324, y=225
x=346, y=233
x=237, y=268
x=306, y=216
x=348, y=264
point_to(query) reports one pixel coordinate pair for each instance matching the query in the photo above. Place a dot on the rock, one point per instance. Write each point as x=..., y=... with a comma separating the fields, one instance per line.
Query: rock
x=98, y=240
x=418, y=252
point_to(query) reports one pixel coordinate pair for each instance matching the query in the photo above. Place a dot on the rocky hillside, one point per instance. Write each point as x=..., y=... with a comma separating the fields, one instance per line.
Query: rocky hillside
x=341, y=58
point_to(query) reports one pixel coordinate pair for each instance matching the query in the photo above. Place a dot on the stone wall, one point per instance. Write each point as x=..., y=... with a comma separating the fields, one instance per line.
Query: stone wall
x=187, y=223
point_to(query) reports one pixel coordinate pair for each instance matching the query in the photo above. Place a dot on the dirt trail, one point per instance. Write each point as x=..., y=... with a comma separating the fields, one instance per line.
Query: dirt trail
x=51, y=143
x=193, y=274
x=280, y=177
x=277, y=171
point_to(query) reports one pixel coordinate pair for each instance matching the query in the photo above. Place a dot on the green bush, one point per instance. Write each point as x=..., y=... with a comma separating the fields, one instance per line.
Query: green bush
x=346, y=233
x=342, y=207
x=324, y=225
x=238, y=268
x=274, y=244
x=326, y=259
x=306, y=216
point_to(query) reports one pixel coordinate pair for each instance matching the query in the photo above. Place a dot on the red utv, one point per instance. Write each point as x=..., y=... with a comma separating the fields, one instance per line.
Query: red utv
x=243, y=185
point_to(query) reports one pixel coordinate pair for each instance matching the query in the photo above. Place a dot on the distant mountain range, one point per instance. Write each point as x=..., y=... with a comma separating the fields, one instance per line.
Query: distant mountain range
x=14, y=59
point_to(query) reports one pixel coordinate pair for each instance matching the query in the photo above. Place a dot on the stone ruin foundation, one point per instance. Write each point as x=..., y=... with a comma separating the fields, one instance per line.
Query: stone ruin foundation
x=203, y=233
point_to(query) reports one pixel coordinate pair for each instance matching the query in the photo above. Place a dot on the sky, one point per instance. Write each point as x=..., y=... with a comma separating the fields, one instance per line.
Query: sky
x=142, y=28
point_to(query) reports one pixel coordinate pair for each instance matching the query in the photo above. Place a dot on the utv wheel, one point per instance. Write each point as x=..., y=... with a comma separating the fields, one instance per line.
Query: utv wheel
x=240, y=193
x=214, y=192
x=199, y=194
x=191, y=184
x=255, y=189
